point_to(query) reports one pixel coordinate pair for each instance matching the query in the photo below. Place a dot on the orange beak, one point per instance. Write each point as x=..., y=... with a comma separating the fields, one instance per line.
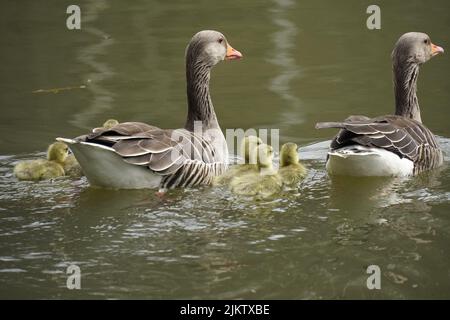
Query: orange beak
x=232, y=54
x=436, y=49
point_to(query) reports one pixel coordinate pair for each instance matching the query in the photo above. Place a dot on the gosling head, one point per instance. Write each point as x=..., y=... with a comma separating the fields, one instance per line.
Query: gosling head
x=248, y=148
x=110, y=123
x=58, y=152
x=414, y=47
x=288, y=154
x=209, y=47
x=265, y=156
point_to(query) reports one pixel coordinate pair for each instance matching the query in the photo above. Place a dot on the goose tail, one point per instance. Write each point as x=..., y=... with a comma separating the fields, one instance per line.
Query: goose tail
x=103, y=167
x=366, y=161
x=325, y=125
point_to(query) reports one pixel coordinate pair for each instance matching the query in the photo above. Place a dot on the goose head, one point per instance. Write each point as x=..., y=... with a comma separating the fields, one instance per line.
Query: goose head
x=209, y=47
x=411, y=50
x=265, y=156
x=58, y=152
x=288, y=154
x=414, y=47
x=248, y=148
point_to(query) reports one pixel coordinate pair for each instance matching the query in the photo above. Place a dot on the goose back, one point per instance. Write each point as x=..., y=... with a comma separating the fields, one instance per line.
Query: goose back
x=181, y=157
x=402, y=136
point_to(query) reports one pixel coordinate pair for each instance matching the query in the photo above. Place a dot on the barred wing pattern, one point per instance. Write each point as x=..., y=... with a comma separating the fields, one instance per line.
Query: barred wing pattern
x=405, y=137
x=181, y=157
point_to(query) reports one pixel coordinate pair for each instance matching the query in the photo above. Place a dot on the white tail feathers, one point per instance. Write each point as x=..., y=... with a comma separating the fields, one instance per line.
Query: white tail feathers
x=364, y=161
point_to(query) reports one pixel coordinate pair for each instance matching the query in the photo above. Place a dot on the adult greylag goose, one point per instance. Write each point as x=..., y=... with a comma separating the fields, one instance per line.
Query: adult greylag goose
x=133, y=155
x=391, y=145
x=43, y=169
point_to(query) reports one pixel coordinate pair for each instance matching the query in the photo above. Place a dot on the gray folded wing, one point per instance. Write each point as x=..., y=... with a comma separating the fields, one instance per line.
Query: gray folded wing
x=405, y=137
x=180, y=156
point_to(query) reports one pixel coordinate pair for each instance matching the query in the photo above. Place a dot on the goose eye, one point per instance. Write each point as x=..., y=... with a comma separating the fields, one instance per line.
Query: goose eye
x=220, y=40
x=426, y=41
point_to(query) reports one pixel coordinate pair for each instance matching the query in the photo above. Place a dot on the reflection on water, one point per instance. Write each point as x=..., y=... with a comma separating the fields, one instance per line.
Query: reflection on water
x=284, y=40
x=93, y=56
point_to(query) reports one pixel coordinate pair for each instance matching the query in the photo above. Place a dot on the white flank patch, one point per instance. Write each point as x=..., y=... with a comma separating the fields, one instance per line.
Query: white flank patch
x=105, y=168
x=370, y=162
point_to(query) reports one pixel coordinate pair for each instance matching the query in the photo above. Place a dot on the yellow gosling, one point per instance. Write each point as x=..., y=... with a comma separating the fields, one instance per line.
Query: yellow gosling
x=248, y=149
x=110, y=123
x=42, y=169
x=71, y=165
x=291, y=170
x=261, y=183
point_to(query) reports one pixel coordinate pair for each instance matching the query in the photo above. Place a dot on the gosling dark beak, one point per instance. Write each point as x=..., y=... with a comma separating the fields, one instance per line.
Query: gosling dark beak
x=232, y=54
x=436, y=50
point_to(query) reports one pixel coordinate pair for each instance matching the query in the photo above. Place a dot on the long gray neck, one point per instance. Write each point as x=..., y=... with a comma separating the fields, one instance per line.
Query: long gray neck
x=200, y=107
x=405, y=88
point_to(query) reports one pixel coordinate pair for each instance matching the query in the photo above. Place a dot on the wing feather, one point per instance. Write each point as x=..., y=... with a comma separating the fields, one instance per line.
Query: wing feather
x=403, y=136
x=180, y=156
